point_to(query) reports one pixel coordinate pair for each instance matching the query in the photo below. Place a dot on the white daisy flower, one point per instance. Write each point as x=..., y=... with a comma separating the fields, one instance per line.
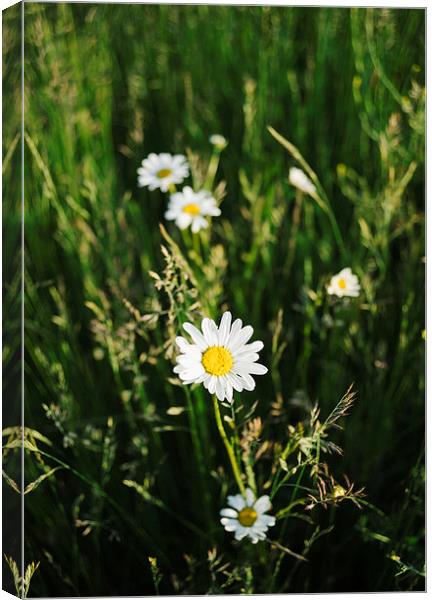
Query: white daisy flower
x=162, y=170
x=219, y=357
x=219, y=141
x=189, y=208
x=246, y=517
x=344, y=283
x=301, y=181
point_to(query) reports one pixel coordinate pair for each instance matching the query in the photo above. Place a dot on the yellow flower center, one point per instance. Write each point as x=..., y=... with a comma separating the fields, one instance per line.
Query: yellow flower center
x=164, y=173
x=342, y=284
x=192, y=209
x=247, y=517
x=217, y=360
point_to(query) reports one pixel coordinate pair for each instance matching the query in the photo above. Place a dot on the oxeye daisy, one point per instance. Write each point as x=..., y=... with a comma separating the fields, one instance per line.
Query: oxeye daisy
x=246, y=517
x=162, y=171
x=344, y=283
x=219, y=357
x=301, y=181
x=189, y=208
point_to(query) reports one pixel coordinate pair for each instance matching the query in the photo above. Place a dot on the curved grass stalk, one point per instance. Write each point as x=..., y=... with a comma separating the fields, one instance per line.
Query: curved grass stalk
x=320, y=197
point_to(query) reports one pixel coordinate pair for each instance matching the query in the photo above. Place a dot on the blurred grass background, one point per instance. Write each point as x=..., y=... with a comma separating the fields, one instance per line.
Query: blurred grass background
x=104, y=86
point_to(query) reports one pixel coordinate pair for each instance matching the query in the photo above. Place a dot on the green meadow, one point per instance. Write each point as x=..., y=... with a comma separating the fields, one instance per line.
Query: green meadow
x=126, y=468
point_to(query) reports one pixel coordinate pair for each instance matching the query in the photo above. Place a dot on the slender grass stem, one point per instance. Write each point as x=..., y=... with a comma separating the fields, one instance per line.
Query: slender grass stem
x=325, y=205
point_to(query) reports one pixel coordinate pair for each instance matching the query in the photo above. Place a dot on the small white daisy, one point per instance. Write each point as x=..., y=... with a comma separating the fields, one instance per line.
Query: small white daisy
x=189, y=208
x=218, y=141
x=162, y=170
x=246, y=516
x=344, y=283
x=219, y=357
x=301, y=181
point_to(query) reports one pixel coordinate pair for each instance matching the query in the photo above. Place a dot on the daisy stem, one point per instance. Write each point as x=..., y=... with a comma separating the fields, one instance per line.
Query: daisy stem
x=228, y=446
x=196, y=244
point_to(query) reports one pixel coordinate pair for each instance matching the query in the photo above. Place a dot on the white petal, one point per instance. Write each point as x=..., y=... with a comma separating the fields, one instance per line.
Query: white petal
x=189, y=359
x=183, y=220
x=258, y=535
x=235, y=342
x=229, y=392
x=188, y=192
x=240, y=533
x=165, y=159
x=220, y=389
x=176, y=198
x=265, y=521
x=192, y=373
x=235, y=328
x=249, y=348
x=203, y=222
x=213, y=211
x=212, y=384
x=237, y=501
x=249, y=383
x=206, y=379
x=257, y=369
x=229, y=524
x=179, y=160
x=152, y=158
x=246, y=357
x=224, y=328
x=262, y=504
x=235, y=381
x=182, y=344
x=250, y=497
x=209, y=330
x=196, y=335
x=198, y=379
x=228, y=512
x=198, y=223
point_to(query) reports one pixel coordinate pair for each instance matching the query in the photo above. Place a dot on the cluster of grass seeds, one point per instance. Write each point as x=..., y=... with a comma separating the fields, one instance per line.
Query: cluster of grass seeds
x=125, y=468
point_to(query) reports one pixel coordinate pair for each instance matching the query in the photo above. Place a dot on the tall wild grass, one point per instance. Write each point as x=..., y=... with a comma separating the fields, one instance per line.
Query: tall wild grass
x=125, y=470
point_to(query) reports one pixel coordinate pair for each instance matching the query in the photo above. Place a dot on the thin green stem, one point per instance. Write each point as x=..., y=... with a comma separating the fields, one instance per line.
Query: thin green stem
x=228, y=446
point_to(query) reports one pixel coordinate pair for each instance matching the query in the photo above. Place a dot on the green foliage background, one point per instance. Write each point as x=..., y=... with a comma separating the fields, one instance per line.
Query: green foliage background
x=104, y=86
